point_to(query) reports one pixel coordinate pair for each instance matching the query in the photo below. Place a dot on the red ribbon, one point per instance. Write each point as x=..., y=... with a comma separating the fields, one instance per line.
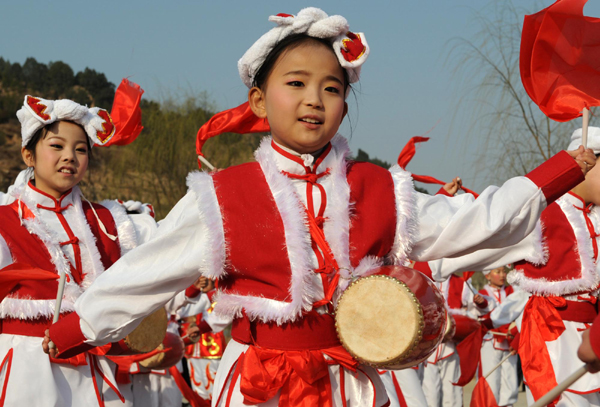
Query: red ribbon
x=482, y=395
x=13, y=274
x=469, y=353
x=407, y=154
x=302, y=376
x=541, y=323
x=126, y=114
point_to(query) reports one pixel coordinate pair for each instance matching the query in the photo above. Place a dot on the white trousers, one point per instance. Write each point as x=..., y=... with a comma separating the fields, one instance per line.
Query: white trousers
x=155, y=390
x=202, y=375
x=410, y=385
x=437, y=383
x=504, y=382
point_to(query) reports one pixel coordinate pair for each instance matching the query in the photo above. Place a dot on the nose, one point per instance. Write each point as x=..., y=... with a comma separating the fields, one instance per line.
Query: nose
x=313, y=98
x=68, y=155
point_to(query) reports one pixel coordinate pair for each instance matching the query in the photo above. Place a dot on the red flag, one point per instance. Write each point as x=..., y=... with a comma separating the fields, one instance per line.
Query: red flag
x=466, y=275
x=560, y=62
x=13, y=274
x=239, y=120
x=482, y=395
x=126, y=113
x=191, y=396
x=469, y=353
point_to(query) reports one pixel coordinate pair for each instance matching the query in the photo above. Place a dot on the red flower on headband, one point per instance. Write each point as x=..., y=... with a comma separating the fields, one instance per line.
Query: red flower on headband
x=353, y=47
x=108, y=127
x=284, y=15
x=37, y=107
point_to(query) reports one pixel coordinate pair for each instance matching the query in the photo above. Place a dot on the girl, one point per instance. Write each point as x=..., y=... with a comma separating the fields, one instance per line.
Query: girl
x=286, y=234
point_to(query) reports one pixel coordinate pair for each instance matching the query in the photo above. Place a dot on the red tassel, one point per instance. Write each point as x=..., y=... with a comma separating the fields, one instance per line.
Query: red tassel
x=126, y=114
x=482, y=395
x=240, y=120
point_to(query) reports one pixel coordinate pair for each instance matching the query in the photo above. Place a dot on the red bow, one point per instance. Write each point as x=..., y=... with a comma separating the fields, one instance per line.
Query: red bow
x=302, y=376
x=126, y=114
x=12, y=275
x=353, y=48
x=541, y=323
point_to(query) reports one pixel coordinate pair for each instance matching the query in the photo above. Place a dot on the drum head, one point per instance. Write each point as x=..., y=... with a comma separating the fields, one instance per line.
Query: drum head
x=149, y=333
x=379, y=320
x=154, y=361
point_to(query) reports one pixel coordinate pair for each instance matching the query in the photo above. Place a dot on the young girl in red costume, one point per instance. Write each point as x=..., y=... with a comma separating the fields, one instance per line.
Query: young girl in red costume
x=286, y=234
x=48, y=230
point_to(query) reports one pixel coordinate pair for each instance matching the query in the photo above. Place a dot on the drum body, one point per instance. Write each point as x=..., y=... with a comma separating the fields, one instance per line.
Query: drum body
x=149, y=333
x=391, y=319
x=464, y=327
x=450, y=328
x=164, y=360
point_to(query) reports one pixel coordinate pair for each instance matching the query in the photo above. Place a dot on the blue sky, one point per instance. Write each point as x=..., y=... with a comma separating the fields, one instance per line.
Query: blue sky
x=182, y=47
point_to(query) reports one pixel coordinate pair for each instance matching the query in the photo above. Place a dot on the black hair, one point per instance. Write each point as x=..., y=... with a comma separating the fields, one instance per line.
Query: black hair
x=43, y=132
x=288, y=43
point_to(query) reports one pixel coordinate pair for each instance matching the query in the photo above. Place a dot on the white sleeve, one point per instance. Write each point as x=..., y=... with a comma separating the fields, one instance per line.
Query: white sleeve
x=145, y=226
x=510, y=309
x=472, y=309
x=216, y=322
x=5, y=255
x=191, y=309
x=177, y=304
x=145, y=278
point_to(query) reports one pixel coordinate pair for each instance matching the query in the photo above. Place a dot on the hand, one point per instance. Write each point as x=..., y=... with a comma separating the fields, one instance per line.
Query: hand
x=201, y=283
x=478, y=299
x=453, y=187
x=587, y=354
x=46, y=345
x=193, y=333
x=586, y=159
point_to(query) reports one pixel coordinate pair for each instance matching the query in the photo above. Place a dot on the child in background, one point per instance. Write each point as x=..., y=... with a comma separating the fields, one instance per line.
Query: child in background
x=285, y=235
x=503, y=382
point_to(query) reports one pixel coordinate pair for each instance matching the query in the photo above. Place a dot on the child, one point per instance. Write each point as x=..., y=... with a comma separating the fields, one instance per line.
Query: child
x=503, y=382
x=50, y=226
x=560, y=271
x=286, y=234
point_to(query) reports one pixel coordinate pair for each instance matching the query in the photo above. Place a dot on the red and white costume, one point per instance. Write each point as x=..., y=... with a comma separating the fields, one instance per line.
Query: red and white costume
x=204, y=356
x=404, y=387
x=503, y=382
x=443, y=366
x=60, y=236
x=247, y=226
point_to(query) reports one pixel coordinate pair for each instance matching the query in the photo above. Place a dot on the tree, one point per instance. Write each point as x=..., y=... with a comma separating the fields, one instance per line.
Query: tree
x=60, y=77
x=102, y=91
x=515, y=135
x=36, y=75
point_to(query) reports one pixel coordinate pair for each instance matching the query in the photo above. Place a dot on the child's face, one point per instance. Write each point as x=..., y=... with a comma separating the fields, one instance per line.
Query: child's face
x=497, y=277
x=61, y=158
x=303, y=99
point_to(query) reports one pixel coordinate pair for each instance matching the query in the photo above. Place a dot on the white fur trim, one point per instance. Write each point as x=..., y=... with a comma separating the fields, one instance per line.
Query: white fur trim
x=406, y=216
x=213, y=242
x=56, y=110
x=125, y=229
x=589, y=278
x=312, y=22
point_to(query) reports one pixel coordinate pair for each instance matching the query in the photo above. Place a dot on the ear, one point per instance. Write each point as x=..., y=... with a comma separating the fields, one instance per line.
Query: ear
x=256, y=100
x=345, y=112
x=27, y=157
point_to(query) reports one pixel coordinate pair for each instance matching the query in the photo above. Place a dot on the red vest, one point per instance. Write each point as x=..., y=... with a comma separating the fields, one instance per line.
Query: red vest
x=29, y=249
x=257, y=262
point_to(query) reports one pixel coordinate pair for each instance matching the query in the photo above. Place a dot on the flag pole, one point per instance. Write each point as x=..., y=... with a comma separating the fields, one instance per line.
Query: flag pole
x=562, y=386
x=584, y=128
x=498, y=365
x=206, y=162
x=59, y=296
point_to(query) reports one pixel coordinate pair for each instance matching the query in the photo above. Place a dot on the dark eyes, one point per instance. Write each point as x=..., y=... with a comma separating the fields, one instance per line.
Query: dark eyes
x=82, y=150
x=299, y=84
x=59, y=147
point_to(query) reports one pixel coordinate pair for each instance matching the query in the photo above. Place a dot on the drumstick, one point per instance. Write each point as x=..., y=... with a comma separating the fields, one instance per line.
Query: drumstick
x=499, y=333
x=471, y=288
x=584, y=128
x=560, y=387
x=205, y=162
x=497, y=366
x=59, y=296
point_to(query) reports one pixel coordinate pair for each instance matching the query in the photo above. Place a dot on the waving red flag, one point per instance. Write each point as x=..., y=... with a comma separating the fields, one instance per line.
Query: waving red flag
x=482, y=395
x=126, y=113
x=560, y=62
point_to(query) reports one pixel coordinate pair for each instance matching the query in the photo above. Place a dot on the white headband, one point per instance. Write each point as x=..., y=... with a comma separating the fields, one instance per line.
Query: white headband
x=37, y=113
x=593, y=140
x=351, y=49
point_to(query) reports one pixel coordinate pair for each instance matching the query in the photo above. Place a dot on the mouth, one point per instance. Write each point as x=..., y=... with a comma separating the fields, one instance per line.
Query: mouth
x=66, y=170
x=310, y=120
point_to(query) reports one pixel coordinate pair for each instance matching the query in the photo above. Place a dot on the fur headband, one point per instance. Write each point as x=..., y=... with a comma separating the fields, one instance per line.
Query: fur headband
x=37, y=113
x=351, y=49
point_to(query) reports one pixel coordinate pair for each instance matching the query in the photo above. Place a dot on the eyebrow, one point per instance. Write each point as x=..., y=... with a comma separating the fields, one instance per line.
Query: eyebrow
x=306, y=73
x=63, y=139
